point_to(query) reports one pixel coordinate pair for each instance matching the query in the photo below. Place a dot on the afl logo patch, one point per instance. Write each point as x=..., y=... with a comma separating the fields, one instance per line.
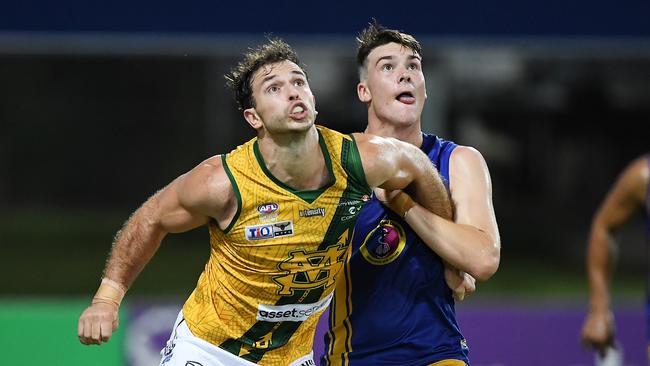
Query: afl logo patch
x=384, y=243
x=267, y=208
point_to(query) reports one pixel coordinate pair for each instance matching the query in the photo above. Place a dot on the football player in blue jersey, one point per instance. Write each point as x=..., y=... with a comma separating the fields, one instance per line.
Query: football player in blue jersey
x=629, y=195
x=394, y=305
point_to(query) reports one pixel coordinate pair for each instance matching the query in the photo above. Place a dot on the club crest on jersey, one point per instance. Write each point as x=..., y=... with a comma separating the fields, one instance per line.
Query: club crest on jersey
x=384, y=243
x=269, y=231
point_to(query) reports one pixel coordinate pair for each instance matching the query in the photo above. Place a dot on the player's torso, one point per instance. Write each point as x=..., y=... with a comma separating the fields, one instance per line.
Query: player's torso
x=394, y=303
x=271, y=273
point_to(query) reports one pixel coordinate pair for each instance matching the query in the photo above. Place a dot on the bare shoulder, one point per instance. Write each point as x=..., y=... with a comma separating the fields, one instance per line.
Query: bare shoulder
x=639, y=169
x=635, y=177
x=381, y=157
x=467, y=161
x=206, y=187
x=466, y=155
x=372, y=143
x=379, y=147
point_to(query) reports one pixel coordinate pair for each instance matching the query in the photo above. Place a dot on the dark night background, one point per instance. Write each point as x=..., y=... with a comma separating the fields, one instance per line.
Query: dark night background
x=105, y=103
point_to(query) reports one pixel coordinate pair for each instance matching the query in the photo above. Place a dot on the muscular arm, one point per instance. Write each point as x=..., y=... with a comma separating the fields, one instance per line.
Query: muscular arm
x=470, y=243
x=186, y=203
x=395, y=165
x=622, y=201
x=398, y=164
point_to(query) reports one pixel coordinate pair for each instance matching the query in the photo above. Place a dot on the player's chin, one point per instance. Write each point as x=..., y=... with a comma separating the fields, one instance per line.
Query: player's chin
x=299, y=125
x=406, y=118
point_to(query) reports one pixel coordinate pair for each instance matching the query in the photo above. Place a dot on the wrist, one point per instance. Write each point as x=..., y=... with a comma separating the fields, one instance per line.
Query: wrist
x=599, y=307
x=109, y=292
x=402, y=203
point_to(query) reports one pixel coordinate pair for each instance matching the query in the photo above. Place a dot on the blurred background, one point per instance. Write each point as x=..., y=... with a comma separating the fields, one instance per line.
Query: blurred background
x=104, y=103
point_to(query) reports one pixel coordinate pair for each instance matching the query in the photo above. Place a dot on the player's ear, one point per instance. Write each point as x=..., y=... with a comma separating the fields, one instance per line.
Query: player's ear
x=363, y=92
x=253, y=119
x=313, y=98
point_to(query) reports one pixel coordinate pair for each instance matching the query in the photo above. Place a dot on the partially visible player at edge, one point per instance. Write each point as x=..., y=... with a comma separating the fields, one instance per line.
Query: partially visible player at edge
x=393, y=306
x=629, y=195
x=280, y=211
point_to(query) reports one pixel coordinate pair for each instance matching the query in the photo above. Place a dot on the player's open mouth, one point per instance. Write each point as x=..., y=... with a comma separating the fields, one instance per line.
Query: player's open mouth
x=406, y=98
x=298, y=111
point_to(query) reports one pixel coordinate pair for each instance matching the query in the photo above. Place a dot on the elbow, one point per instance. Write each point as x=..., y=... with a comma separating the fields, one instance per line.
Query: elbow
x=489, y=264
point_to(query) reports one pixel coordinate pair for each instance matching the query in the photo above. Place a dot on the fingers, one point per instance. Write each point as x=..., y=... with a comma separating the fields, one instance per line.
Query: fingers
x=469, y=283
x=105, y=330
x=598, y=343
x=97, y=323
x=84, y=329
x=466, y=287
x=598, y=331
x=459, y=295
x=598, y=346
x=461, y=283
x=96, y=332
x=80, y=330
x=460, y=290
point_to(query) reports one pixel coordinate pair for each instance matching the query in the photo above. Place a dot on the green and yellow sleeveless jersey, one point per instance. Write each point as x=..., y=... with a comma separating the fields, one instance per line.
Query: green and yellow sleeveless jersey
x=272, y=271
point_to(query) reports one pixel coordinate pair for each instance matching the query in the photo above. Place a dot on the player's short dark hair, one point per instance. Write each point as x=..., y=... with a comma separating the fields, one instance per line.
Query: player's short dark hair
x=239, y=77
x=376, y=35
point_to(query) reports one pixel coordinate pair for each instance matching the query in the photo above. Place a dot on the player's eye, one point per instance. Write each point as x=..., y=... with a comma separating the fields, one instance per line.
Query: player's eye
x=414, y=66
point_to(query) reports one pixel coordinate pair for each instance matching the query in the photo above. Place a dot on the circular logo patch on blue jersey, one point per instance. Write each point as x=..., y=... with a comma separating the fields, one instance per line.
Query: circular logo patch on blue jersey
x=384, y=243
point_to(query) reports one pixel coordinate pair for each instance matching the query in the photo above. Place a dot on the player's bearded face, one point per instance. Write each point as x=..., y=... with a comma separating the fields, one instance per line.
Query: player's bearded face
x=394, y=86
x=283, y=99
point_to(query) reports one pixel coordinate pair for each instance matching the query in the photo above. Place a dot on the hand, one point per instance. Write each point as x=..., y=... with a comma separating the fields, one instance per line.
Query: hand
x=460, y=283
x=598, y=330
x=98, y=322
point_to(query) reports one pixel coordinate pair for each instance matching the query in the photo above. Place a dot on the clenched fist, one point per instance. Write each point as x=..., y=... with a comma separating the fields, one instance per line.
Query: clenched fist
x=98, y=322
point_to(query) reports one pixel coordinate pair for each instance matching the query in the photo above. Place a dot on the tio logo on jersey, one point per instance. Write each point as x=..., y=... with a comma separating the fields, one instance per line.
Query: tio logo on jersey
x=269, y=231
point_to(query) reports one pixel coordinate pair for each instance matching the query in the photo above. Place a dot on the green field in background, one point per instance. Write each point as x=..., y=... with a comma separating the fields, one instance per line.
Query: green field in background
x=55, y=253
x=44, y=332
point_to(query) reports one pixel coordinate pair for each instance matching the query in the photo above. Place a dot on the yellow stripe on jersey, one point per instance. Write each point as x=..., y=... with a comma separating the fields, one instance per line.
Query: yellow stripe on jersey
x=339, y=320
x=449, y=363
x=272, y=272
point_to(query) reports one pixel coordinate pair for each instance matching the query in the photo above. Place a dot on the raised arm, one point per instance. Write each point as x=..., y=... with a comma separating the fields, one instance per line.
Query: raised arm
x=623, y=200
x=186, y=203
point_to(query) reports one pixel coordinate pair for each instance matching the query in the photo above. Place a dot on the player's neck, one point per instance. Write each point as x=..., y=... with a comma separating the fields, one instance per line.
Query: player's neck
x=411, y=133
x=296, y=161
